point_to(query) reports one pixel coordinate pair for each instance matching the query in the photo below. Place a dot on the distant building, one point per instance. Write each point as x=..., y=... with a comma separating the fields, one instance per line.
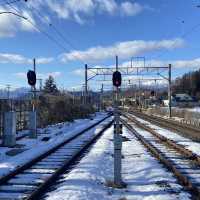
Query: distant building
x=182, y=100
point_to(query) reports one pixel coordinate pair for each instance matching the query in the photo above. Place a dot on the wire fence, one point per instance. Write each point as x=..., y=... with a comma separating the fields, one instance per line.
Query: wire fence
x=21, y=107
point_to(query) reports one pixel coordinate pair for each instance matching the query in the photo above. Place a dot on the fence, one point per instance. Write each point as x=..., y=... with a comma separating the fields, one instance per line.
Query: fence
x=185, y=115
x=20, y=106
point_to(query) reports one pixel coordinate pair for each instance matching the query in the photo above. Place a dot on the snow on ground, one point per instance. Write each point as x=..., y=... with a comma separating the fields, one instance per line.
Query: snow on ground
x=195, y=109
x=187, y=143
x=146, y=179
x=35, y=147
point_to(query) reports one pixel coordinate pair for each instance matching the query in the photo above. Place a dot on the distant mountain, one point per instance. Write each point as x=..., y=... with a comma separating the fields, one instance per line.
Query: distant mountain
x=15, y=93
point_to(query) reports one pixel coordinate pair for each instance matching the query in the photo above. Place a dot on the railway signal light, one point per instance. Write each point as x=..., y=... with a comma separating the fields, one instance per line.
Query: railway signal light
x=152, y=93
x=117, y=78
x=31, y=76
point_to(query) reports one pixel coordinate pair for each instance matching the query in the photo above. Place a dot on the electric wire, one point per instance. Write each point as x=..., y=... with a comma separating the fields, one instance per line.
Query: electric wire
x=10, y=2
x=56, y=30
x=183, y=36
x=41, y=30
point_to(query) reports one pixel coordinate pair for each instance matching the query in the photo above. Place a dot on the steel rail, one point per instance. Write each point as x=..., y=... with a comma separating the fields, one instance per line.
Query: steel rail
x=184, y=180
x=28, y=165
x=180, y=128
x=44, y=186
x=173, y=144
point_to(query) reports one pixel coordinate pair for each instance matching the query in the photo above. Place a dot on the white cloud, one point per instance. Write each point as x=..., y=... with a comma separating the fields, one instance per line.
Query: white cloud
x=26, y=25
x=123, y=49
x=54, y=74
x=108, y=6
x=13, y=58
x=81, y=72
x=79, y=10
x=131, y=9
x=10, y=24
x=78, y=72
x=58, y=8
x=188, y=64
x=20, y=59
x=85, y=6
x=43, y=60
x=76, y=10
x=23, y=75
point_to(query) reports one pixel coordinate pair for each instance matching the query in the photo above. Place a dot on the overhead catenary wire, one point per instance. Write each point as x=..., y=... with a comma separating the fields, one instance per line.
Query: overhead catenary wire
x=38, y=29
x=59, y=33
x=56, y=30
x=9, y=2
x=182, y=36
x=71, y=45
x=42, y=31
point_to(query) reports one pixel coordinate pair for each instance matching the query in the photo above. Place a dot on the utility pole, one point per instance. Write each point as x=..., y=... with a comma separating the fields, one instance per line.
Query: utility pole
x=139, y=86
x=33, y=114
x=8, y=91
x=86, y=84
x=40, y=79
x=8, y=96
x=169, y=91
x=101, y=98
x=73, y=95
x=117, y=138
x=34, y=87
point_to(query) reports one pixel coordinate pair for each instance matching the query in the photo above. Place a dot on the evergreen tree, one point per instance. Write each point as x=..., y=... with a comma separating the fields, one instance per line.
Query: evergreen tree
x=50, y=86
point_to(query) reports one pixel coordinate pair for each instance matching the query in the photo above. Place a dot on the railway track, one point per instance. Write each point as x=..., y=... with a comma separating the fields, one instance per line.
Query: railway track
x=184, y=164
x=32, y=179
x=21, y=137
x=185, y=130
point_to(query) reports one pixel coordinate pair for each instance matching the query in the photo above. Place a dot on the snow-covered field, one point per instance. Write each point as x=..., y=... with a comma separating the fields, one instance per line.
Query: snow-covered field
x=34, y=147
x=146, y=179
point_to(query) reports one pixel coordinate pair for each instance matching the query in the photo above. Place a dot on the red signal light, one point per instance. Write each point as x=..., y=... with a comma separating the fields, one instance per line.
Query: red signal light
x=117, y=78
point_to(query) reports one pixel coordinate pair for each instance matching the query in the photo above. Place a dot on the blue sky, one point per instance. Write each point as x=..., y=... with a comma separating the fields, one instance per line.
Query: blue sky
x=164, y=31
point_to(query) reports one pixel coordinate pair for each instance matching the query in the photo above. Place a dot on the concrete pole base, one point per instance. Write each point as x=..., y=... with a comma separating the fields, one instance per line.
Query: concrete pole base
x=117, y=158
x=9, y=134
x=33, y=124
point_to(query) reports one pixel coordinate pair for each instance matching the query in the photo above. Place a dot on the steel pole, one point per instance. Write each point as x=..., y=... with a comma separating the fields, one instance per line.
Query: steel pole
x=169, y=92
x=33, y=114
x=34, y=87
x=86, y=83
x=117, y=139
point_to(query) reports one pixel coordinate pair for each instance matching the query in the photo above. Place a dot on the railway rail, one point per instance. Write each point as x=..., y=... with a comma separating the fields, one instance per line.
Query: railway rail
x=32, y=179
x=184, y=164
x=21, y=136
x=183, y=129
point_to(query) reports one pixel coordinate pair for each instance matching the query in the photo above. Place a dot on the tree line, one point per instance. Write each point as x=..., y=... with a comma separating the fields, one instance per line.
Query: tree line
x=189, y=83
x=56, y=106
